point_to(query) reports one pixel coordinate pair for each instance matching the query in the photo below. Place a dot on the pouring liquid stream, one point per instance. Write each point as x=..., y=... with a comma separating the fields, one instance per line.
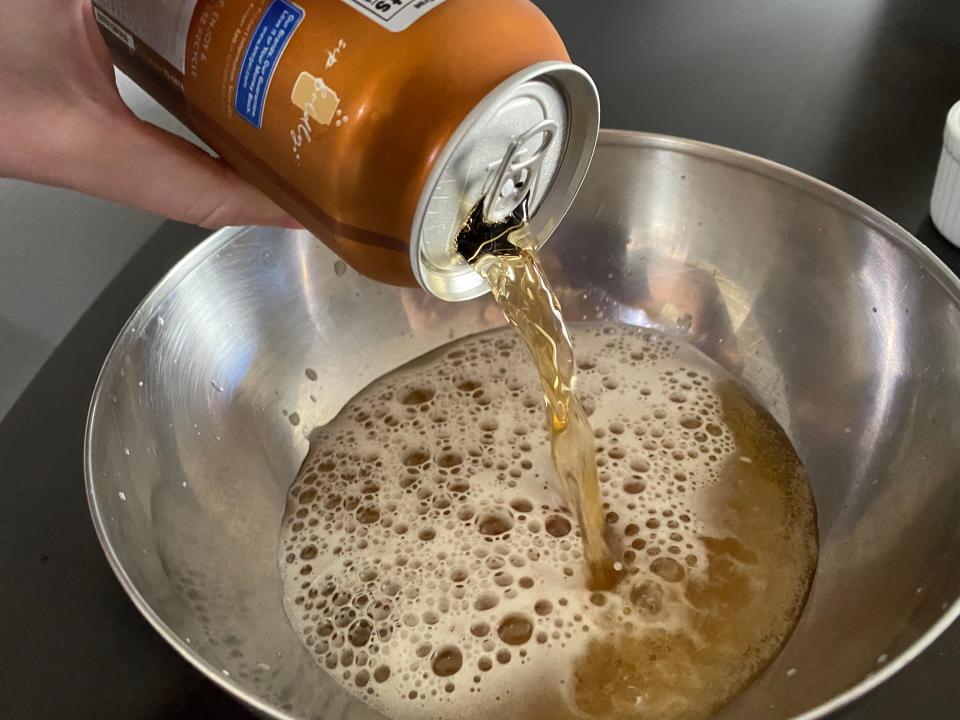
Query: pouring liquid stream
x=504, y=254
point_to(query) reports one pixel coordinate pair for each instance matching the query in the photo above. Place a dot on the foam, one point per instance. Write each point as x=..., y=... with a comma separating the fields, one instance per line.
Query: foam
x=430, y=566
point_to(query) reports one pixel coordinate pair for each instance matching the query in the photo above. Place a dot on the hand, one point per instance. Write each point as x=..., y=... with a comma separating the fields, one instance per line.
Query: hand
x=62, y=122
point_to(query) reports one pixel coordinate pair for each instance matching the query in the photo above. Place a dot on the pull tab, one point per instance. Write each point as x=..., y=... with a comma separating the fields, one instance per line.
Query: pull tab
x=516, y=175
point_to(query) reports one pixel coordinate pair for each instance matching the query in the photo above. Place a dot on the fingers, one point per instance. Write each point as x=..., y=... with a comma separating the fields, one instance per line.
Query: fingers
x=174, y=178
x=118, y=157
x=62, y=122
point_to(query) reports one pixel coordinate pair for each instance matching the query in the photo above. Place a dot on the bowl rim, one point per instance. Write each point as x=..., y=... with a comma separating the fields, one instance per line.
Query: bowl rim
x=608, y=138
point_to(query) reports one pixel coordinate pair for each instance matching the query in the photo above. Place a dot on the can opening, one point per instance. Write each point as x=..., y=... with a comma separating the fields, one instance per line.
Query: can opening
x=531, y=139
x=479, y=236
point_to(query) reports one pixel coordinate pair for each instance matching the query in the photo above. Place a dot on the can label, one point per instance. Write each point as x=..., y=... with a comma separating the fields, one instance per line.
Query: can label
x=269, y=39
x=164, y=26
x=394, y=15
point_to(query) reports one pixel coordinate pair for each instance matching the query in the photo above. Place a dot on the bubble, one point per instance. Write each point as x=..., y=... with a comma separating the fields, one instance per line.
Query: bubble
x=418, y=396
x=449, y=460
x=598, y=599
x=360, y=632
x=515, y=629
x=543, y=607
x=639, y=465
x=521, y=505
x=486, y=601
x=415, y=456
x=309, y=552
x=557, y=526
x=480, y=630
x=447, y=661
x=494, y=522
x=668, y=568
x=494, y=562
x=368, y=514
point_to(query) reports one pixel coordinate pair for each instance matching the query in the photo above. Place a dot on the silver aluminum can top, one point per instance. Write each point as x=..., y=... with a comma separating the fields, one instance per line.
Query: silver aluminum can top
x=546, y=118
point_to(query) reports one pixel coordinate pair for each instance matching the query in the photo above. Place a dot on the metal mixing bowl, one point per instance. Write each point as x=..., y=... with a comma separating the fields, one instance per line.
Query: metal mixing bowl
x=837, y=318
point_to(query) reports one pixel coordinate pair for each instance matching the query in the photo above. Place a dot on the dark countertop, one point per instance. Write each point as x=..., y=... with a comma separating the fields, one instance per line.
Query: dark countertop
x=854, y=92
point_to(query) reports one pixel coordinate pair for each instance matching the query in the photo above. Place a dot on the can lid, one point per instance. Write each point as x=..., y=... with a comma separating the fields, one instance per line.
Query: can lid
x=547, y=116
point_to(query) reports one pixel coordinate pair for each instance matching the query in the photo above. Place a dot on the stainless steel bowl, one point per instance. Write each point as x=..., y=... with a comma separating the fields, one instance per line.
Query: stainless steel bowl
x=838, y=319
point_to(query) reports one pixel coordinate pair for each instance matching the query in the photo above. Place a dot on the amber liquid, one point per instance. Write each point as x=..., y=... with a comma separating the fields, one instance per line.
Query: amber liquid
x=521, y=288
x=429, y=566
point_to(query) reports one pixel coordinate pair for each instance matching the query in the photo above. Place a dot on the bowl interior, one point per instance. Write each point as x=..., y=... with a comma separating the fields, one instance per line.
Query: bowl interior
x=839, y=322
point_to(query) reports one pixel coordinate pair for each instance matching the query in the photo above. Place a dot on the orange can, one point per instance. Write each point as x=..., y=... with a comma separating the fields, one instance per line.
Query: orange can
x=378, y=124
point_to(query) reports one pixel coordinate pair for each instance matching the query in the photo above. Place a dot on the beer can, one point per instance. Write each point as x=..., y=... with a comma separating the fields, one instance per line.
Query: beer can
x=378, y=124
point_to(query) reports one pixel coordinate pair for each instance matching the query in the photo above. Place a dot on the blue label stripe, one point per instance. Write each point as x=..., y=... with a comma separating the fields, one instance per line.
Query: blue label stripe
x=267, y=43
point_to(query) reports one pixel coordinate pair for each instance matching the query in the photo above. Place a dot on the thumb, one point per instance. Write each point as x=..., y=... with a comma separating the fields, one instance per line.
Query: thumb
x=118, y=157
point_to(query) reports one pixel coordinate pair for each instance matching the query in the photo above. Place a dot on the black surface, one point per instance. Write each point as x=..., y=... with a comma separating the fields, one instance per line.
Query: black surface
x=854, y=92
